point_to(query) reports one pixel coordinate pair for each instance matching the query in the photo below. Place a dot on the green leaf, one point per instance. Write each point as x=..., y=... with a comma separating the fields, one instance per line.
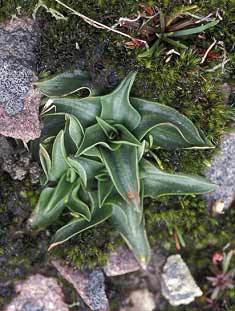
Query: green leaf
x=105, y=187
x=153, y=113
x=150, y=52
x=169, y=137
x=65, y=83
x=51, y=204
x=125, y=136
x=59, y=163
x=52, y=124
x=117, y=134
x=158, y=183
x=122, y=166
x=94, y=136
x=73, y=133
x=191, y=31
x=116, y=106
x=130, y=224
x=174, y=43
x=77, y=206
x=85, y=109
x=45, y=160
x=87, y=169
x=77, y=226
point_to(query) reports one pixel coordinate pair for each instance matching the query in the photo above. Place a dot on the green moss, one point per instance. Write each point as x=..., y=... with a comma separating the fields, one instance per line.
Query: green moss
x=90, y=248
x=21, y=252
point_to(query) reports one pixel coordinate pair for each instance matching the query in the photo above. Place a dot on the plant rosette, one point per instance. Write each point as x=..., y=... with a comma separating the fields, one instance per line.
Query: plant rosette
x=93, y=152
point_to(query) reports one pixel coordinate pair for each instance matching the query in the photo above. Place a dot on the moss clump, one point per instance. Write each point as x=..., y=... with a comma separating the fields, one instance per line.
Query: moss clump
x=90, y=248
x=21, y=252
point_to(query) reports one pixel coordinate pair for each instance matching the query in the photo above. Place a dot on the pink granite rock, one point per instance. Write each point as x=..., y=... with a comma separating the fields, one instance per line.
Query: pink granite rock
x=121, y=261
x=25, y=124
x=38, y=293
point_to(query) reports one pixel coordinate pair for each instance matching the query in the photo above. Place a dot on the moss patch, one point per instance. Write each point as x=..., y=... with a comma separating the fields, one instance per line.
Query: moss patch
x=21, y=252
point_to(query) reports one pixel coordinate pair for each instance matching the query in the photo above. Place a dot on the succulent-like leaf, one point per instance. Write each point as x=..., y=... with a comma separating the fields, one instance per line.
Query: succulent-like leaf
x=84, y=109
x=117, y=133
x=169, y=137
x=59, y=164
x=130, y=224
x=65, y=83
x=158, y=183
x=122, y=166
x=51, y=203
x=117, y=107
x=94, y=136
x=105, y=187
x=77, y=225
x=77, y=206
x=52, y=124
x=73, y=133
x=87, y=169
x=45, y=160
x=153, y=113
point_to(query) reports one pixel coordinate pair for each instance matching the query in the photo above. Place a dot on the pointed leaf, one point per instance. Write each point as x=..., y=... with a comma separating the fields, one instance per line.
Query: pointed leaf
x=77, y=206
x=59, y=163
x=45, y=161
x=73, y=133
x=105, y=187
x=169, y=137
x=87, y=169
x=108, y=129
x=153, y=113
x=122, y=166
x=125, y=136
x=128, y=223
x=84, y=109
x=77, y=226
x=116, y=106
x=94, y=136
x=194, y=30
x=51, y=204
x=65, y=83
x=158, y=183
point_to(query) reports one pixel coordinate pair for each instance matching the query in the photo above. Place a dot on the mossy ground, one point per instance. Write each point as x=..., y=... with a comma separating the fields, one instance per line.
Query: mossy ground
x=183, y=83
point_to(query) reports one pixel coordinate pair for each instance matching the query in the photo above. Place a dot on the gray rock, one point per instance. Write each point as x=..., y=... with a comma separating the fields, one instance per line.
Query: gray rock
x=178, y=285
x=222, y=172
x=19, y=101
x=121, y=261
x=38, y=293
x=88, y=283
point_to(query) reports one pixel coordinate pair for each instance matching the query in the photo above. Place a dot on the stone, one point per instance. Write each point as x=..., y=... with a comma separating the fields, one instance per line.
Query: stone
x=222, y=172
x=38, y=293
x=89, y=284
x=178, y=285
x=19, y=100
x=140, y=300
x=121, y=261
x=17, y=162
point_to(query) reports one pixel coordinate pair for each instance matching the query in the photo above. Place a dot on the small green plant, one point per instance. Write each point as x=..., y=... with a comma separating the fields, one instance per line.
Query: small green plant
x=97, y=155
x=158, y=30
